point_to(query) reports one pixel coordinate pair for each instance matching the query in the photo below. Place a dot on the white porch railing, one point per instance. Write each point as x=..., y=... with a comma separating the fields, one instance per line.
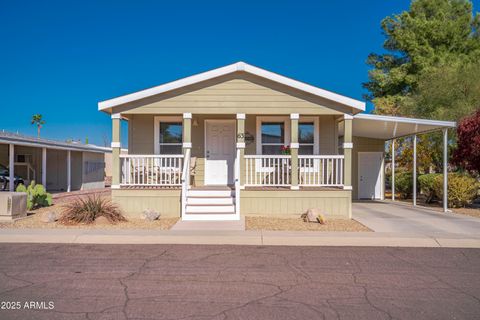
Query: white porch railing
x=267, y=170
x=237, y=183
x=185, y=181
x=322, y=171
x=151, y=170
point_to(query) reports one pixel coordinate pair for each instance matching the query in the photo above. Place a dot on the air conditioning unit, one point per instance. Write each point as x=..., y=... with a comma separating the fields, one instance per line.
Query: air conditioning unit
x=13, y=205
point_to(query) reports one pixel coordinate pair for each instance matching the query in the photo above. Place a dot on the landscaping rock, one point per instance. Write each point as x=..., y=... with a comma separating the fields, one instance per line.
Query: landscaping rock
x=49, y=217
x=313, y=214
x=101, y=220
x=150, y=215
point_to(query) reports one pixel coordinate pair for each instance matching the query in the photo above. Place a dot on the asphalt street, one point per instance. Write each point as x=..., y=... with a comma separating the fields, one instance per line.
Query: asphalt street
x=77, y=281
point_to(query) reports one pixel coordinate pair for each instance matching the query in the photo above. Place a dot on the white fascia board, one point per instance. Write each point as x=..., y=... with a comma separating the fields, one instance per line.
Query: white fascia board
x=448, y=124
x=239, y=66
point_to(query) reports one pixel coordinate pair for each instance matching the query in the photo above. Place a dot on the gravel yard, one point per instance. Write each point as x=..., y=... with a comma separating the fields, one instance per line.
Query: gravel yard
x=297, y=224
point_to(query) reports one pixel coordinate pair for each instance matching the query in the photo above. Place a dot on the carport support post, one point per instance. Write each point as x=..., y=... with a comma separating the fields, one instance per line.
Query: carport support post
x=294, y=149
x=11, y=167
x=414, y=169
x=393, y=170
x=69, y=170
x=347, y=152
x=241, y=145
x=116, y=118
x=445, y=171
x=44, y=167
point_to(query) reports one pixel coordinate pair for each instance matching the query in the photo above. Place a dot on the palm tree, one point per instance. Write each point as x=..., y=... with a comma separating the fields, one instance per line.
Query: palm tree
x=37, y=119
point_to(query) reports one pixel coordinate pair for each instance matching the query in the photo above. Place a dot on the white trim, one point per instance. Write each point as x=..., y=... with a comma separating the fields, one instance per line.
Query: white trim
x=241, y=145
x=232, y=68
x=294, y=187
x=186, y=145
x=116, y=145
x=156, y=128
x=448, y=124
x=294, y=145
x=241, y=116
x=44, y=167
x=115, y=186
x=348, y=145
x=11, y=167
x=116, y=116
x=294, y=116
x=69, y=171
x=347, y=116
x=187, y=115
x=347, y=188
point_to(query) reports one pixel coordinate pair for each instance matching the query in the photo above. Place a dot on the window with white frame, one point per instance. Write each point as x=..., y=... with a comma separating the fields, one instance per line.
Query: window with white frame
x=306, y=138
x=170, y=137
x=273, y=137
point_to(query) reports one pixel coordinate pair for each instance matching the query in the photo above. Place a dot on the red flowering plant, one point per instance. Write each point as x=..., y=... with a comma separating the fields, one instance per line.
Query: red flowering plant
x=285, y=150
x=467, y=153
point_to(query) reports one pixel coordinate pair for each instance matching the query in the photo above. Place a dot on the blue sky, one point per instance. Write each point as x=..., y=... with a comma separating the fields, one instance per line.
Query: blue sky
x=60, y=58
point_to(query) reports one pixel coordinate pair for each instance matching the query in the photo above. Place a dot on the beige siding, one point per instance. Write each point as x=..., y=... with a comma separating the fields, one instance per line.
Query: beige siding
x=140, y=134
x=134, y=202
x=93, y=179
x=234, y=94
x=363, y=145
x=293, y=203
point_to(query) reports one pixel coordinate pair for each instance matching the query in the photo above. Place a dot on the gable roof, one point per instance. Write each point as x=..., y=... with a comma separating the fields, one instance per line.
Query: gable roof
x=232, y=68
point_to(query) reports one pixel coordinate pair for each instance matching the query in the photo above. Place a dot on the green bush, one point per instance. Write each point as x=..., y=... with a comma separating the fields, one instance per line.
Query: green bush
x=462, y=189
x=37, y=197
x=404, y=184
x=426, y=183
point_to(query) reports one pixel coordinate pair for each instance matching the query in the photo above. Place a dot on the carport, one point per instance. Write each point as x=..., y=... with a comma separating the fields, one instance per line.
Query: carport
x=58, y=165
x=388, y=128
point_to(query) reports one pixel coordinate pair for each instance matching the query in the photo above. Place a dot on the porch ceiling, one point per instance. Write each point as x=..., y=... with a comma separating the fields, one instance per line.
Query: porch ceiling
x=387, y=127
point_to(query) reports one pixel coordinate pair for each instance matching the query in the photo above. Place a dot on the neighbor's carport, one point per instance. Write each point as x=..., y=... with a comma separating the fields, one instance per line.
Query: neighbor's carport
x=388, y=128
x=58, y=165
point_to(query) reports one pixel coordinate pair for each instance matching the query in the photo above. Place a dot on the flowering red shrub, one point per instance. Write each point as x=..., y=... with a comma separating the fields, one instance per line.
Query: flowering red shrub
x=467, y=153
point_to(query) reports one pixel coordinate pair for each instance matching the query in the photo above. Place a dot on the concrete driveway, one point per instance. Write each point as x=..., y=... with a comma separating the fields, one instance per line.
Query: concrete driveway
x=403, y=218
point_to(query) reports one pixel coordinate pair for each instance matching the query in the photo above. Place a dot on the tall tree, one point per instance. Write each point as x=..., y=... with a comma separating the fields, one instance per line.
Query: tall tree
x=38, y=121
x=431, y=35
x=467, y=154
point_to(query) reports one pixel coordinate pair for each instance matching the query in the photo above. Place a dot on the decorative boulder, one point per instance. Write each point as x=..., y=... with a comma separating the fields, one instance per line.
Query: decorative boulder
x=49, y=217
x=313, y=215
x=150, y=215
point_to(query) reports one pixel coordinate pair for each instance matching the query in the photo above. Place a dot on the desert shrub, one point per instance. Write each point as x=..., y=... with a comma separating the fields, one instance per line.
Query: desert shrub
x=462, y=189
x=404, y=184
x=426, y=183
x=90, y=208
x=37, y=196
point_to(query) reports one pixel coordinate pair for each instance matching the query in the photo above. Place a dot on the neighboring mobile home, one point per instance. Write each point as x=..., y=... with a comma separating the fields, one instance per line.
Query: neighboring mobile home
x=58, y=165
x=240, y=140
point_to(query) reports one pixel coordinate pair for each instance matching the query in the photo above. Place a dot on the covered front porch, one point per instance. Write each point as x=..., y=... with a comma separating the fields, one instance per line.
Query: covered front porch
x=290, y=159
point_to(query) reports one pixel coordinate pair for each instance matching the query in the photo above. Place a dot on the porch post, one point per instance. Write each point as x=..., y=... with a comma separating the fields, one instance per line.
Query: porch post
x=44, y=168
x=69, y=171
x=414, y=169
x=187, y=132
x=393, y=170
x=241, y=146
x=294, y=149
x=116, y=118
x=11, y=167
x=445, y=170
x=347, y=151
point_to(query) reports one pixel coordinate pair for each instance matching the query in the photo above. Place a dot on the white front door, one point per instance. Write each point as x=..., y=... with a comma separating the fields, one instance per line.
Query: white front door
x=219, y=151
x=370, y=175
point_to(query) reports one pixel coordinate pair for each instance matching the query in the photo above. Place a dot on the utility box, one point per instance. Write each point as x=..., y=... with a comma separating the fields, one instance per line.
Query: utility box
x=13, y=205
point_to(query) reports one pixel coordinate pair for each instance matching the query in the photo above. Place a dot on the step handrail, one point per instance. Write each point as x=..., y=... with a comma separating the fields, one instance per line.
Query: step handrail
x=185, y=180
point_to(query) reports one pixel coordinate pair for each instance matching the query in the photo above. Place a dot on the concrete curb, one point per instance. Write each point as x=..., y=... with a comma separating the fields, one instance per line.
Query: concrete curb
x=271, y=238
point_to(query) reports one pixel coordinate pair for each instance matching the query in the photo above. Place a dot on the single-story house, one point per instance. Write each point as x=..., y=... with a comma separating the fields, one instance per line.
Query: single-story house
x=241, y=140
x=57, y=165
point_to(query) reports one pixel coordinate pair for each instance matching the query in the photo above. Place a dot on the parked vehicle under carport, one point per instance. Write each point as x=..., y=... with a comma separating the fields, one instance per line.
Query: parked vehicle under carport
x=5, y=178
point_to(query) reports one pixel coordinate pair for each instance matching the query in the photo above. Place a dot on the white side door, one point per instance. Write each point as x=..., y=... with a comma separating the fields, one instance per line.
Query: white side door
x=370, y=175
x=219, y=151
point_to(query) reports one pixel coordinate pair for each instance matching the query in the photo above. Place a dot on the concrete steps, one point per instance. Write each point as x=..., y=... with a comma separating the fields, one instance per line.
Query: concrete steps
x=211, y=203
